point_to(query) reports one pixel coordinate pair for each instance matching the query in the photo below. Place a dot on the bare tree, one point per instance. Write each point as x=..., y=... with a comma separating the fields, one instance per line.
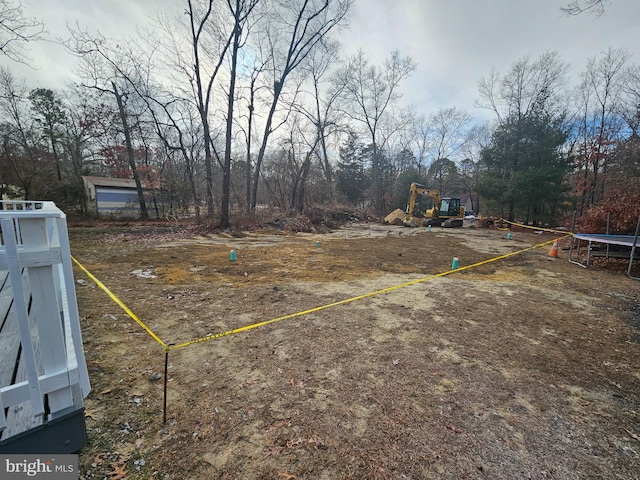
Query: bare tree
x=419, y=135
x=240, y=10
x=198, y=23
x=126, y=130
x=599, y=100
x=303, y=23
x=23, y=161
x=83, y=112
x=445, y=140
x=370, y=93
x=478, y=138
x=107, y=68
x=301, y=147
x=631, y=106
x=176, y=126
x=216, y=38
x=172, y=117
x=16, y=30
x=448, y=132
x=532, y=90
x=256, y=70
x=527, y=84
x=322, y=113
x=48, y=107
x=576, y=7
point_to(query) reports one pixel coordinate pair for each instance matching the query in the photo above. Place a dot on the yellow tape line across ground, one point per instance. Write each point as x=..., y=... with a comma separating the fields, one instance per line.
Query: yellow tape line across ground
x=535, y=228
x=119, y=302
x=227, y=333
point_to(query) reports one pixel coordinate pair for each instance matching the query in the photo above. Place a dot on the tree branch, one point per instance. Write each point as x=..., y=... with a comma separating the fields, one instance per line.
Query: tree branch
x=16, y=31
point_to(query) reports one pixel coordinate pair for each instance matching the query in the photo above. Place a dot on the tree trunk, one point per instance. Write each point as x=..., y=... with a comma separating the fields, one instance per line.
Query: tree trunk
x=56, y=157
x=377, y=180
x=326, y=165
x=192, y=185
x=248, y=169
x=202, y=104
x=306, y=167
x=328, y=174
x=132, y=161
x=263, y=146
x=226, y=169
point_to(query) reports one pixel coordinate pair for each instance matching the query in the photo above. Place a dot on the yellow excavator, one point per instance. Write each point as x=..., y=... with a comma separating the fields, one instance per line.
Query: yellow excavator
x=446, y=212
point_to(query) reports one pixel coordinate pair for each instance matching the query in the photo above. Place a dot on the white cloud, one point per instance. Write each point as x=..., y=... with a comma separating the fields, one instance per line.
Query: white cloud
x=457, y=42
x=454, y=42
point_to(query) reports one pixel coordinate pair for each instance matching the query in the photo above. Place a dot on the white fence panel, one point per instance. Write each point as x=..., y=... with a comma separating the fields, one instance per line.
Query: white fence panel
x=35, y=262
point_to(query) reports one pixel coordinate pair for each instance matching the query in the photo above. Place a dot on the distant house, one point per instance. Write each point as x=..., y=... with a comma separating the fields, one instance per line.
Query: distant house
x=112, y=196
x=465, y=201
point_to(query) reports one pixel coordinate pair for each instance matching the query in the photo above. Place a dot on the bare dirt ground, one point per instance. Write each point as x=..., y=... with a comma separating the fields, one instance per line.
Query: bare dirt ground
x=522, y=368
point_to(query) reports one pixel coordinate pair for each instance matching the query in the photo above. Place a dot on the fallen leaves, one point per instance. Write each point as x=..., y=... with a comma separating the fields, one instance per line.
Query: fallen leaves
x=315, y=441
x=295, y=443
x=286, y=476
x=299, y=384
x=272, y=451
x=275, y=450
x=111, y=460
x=89, y=413
x=454, y=429
x=248, y=382
x=119, y=471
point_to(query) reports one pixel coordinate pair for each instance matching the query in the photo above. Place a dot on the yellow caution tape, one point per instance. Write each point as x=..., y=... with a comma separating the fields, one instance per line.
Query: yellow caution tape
x=563, y=232
x=227, y=333
x=120, y=303
x=353, y=299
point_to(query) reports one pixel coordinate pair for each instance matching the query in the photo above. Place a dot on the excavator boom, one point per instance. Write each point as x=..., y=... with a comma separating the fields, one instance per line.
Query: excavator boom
x=417, y=189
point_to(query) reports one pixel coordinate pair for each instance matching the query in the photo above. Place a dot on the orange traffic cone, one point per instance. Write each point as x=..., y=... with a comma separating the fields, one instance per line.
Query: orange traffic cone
x=554, y=250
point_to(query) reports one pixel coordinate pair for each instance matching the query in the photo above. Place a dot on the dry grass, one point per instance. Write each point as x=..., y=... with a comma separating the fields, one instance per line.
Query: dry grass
x=523, y=368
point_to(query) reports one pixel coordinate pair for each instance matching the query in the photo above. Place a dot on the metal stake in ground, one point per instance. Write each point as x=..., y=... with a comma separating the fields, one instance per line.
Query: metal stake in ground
x=166, y=376
x=633, y=249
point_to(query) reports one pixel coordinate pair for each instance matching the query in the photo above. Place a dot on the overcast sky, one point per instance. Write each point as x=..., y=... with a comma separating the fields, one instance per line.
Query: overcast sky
x=454, y=42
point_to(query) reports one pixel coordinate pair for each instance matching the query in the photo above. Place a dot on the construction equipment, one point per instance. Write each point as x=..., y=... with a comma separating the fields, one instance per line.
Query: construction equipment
x=446, y=212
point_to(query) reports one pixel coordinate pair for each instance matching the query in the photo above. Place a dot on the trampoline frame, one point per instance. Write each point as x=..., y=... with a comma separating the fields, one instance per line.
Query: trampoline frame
x=607, y=239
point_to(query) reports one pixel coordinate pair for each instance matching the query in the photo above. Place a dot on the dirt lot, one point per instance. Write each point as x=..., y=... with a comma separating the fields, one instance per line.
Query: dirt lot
x=526, y=367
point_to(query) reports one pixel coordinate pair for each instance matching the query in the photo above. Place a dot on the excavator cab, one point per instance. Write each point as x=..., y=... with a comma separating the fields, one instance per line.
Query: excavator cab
x=450, y=207
x=450, y=213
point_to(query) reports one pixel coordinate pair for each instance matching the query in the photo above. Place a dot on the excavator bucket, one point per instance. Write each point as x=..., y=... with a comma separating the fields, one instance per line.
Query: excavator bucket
x=397, y=217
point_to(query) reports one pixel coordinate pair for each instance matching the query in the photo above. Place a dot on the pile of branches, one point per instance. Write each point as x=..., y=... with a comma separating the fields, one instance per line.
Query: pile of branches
x=336, y=217
x=320, y=220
